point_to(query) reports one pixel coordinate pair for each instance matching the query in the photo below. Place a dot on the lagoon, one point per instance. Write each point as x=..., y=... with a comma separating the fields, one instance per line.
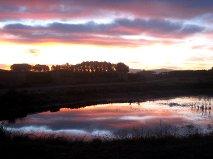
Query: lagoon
x=180, y=116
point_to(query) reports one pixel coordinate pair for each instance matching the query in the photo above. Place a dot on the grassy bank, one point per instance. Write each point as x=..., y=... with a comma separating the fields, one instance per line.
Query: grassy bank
x=20, y=146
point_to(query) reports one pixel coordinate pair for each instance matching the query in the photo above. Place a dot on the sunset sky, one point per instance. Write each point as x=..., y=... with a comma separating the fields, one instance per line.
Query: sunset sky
x=144, y=34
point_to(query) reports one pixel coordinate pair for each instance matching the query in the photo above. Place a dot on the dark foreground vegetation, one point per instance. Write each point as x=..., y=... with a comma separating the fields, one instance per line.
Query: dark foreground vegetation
x=21, y=146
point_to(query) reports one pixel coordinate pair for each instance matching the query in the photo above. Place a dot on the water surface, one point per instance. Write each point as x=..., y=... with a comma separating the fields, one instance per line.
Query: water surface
x=178, y=116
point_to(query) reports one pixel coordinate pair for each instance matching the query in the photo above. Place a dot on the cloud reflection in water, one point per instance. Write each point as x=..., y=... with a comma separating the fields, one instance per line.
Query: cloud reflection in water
x=110, y=120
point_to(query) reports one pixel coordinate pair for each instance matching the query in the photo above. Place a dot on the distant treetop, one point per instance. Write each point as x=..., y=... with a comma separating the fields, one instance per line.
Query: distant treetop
x=40, y=68
x=21, y=67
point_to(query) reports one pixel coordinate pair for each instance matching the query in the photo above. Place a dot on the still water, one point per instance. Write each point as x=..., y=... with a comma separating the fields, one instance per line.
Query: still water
x=178, y=116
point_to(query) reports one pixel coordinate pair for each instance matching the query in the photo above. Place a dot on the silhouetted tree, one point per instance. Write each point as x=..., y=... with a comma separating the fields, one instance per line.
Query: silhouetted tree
x=40, y=68
x=122, y=68
x=65, y=67
x=21, y=67
x=92, y=67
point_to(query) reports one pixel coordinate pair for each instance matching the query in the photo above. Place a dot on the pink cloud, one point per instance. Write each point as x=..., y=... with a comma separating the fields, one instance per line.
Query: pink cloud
x=101, y=34
x=65, y=9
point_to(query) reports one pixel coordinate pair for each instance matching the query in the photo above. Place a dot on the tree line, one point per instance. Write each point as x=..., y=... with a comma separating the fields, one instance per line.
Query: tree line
x=28, y=68
x=84, y=67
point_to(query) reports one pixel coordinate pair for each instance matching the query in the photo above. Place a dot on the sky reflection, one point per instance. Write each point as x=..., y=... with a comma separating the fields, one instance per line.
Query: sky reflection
x=176, y=115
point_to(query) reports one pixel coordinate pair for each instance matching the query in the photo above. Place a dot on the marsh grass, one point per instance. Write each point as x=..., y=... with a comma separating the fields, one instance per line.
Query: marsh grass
x=23, y=146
